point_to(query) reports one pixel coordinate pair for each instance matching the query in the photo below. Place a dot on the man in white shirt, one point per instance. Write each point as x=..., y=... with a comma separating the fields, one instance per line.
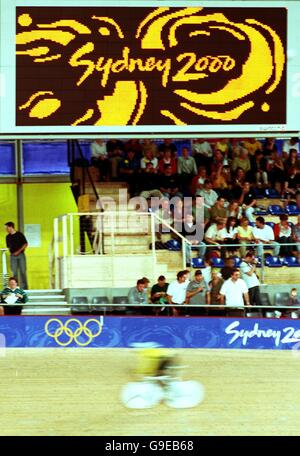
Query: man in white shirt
x=248, y=273
x=234, y=293
x=264, y=234
x=209, y=196
x=176, y=292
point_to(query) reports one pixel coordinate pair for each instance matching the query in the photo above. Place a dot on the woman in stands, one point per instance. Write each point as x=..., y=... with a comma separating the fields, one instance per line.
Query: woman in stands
x=283, y=235
x=244, y=235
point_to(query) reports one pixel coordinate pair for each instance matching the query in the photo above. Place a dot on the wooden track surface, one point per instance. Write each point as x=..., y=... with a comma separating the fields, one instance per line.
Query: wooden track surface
x=76, y=392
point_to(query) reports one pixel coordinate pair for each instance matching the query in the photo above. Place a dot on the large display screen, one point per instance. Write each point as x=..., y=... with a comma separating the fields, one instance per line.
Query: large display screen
x=111, y=68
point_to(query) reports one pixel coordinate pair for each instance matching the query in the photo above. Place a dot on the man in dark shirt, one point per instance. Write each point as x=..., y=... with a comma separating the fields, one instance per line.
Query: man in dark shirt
x=159, y=295
x=169, y=183
x=17, y=243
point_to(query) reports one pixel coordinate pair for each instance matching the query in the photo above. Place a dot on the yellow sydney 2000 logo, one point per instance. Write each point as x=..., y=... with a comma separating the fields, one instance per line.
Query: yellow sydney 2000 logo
x=165, y=51
x=79, y=332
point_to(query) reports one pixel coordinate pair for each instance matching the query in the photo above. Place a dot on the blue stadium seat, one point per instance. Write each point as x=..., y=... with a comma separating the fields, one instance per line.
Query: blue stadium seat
x=271, y=224
x=258, y=193
x=292, y=209
x=291, y=261
x=173, y=245
x=237, y=262
x=261, y=211
x=281, y=298
x=217, y=263
x=273, y=261
x=275, y=209
x=198, y=263
x=271, y=193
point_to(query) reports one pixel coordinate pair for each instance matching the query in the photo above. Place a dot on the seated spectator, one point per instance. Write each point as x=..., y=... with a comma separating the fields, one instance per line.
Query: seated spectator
x=186, y=169
x=283, y=235
x=159, y=292
x=202, y=153
x=215, y=235
x=168, y=144
x=230, y=231
x=215, y=297
x=11, y=296
x=149, y=158
x=244, y=235
x=241, y=161
x=221, y=181
x=234, y=210
x=263, y=234
x=115, y=149
x=296, y=234
x=169, y=183
x=167, y=160
x=258, y=172
x=198, y=180
x=99, y=158
x=234, y=293
x=218, y=161
x=138, y=295
x=128, y=170
x=292, y=160
x=189, y=231
x=209, y=196
x=150, y=182
x=247, y=201
x=197, y=293
x=176, y=291
x=269, y=146
x=252, y=145
x=276, y=172
x=239, y=179
x=135, y=145
x=292, y=143
x=148, y=145
x=218, y=212
x=292, y=301
x=291, y=183
x=223, y=145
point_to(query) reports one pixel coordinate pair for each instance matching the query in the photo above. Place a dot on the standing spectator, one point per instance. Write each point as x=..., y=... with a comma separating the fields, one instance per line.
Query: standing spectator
x=215, y=297
x=176, y=292
x=248, y=273
x=18, y=294
x=263, y=234
x=258, y=172
x=276, y=172
x=197, y=293
x=234, y=293
x=228, y=268
x=17, y=243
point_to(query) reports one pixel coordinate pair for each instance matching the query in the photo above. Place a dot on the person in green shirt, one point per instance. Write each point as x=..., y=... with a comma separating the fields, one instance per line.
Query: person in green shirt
x=9, y=293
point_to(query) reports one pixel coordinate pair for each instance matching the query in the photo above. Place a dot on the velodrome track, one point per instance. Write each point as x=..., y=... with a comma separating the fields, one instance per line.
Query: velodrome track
x=75, y=391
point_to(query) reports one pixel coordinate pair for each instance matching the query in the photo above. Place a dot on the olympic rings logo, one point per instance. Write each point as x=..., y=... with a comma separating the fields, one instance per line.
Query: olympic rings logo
x=64, y=329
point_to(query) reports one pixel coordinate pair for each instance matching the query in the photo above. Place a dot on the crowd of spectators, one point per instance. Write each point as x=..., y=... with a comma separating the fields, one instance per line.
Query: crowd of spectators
x=210, y=292
x=229, y=175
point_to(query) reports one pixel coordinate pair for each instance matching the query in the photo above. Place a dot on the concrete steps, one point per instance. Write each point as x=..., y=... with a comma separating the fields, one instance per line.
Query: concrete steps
x=46, y=302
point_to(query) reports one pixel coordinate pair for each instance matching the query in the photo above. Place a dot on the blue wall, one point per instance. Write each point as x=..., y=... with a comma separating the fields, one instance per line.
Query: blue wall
x=169, y=332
